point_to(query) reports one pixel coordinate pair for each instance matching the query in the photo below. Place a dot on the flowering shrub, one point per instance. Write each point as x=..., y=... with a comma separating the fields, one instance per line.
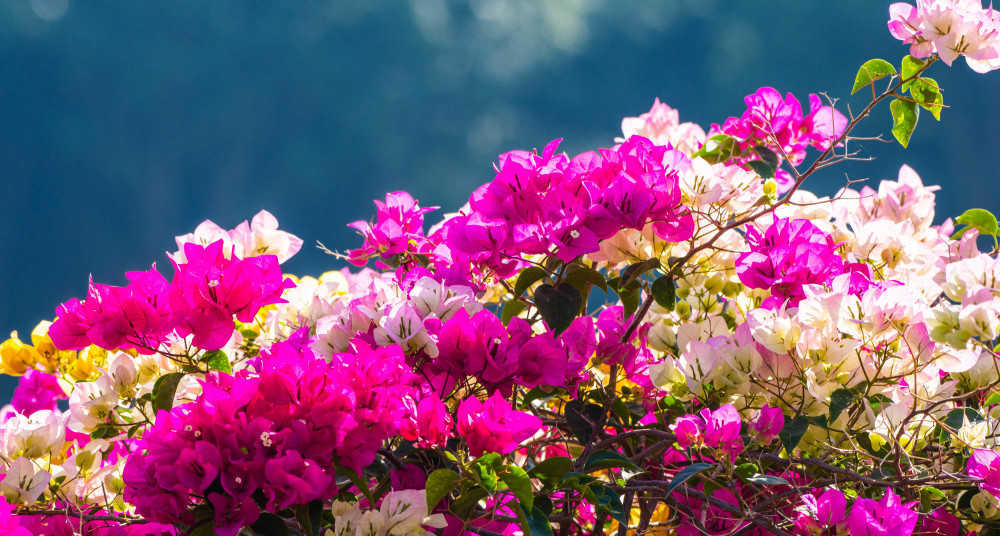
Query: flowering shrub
x=669, y=335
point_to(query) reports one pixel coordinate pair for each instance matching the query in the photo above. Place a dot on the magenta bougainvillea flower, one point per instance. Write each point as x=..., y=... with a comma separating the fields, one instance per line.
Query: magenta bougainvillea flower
x=985, y=464
x=778, y=123
x=206, y=292
x=428, y=423
x=787, y=256
x=887, y=517
x=398, y=228
x=37, y=391
x=492, y=426
x=768, y=424
x=822, y=512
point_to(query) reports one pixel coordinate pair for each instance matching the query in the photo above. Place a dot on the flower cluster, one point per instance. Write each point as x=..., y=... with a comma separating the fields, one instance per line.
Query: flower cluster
x=205, y=293
x=949, y=28
x=552, y=204
x=278, y=431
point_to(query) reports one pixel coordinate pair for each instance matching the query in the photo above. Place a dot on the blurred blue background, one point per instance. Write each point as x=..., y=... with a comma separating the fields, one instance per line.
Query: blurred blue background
x=123, y=124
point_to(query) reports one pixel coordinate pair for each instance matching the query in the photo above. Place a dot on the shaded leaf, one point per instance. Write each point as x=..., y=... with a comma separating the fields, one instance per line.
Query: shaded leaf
x=511, y=309
x=581, y=277
x=464, y=505
x=792, y=432
x=606, y=499
x=664, y=291
x=164, y=390
x=558, y=305
x=840, y=400
x=685, y=474
x=583, y=419
x=762, y=168
x=529, y=276
x=766, y=480
x=633, y=271
x=538, y=522
x=608, y=459
x=270, y=525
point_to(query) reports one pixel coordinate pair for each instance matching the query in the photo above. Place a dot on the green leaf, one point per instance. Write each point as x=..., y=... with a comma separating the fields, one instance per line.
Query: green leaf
x=983, y=220
x=520, y=485
x=463, y=505
x=767, y=480
x=955, y=418
x=840, y=400
x=358, y=481
x=608, y=459
x=745, y=470
x=911, y=66
x=577, y=481
x=664, y=291
x=992, y=400
x=439, y=484
x=719, y=148
x=633, y=271
x=310, y=516
x=217, y=360
x=904, y=119
x=511, y=309
x=270, y=525
x=486, y=476
x=164, y=389
x=685, y=474
x=581, y=277
x=630, y=301
x=204, y=521
x=609, y=501
x=490, y=459
x=767, y=155
x=871, y=71
x=792, y=432
x=538, y=522
x=551, y=471
x=762, y=168
x=929, y=496
x=927, y=94
x=558, y=305
x=583, y=419
x=529, y=276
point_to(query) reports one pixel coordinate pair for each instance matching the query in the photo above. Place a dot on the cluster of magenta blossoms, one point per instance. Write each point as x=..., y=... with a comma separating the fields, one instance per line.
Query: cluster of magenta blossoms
x=791, y=254
x=206, y=292
x=551, y=204
x=779, y=125
x=270, y=437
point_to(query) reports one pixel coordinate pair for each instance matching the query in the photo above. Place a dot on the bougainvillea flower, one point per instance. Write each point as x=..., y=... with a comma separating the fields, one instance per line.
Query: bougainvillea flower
x=493, y=426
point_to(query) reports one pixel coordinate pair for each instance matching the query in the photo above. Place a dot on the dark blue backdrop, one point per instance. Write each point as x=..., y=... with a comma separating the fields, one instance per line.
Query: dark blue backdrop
x=124, y=124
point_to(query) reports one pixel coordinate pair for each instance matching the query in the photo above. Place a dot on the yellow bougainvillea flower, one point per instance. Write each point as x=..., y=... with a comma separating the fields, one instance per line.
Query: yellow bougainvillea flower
x=50, y=357
x=16, y=357
x=83, y=366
